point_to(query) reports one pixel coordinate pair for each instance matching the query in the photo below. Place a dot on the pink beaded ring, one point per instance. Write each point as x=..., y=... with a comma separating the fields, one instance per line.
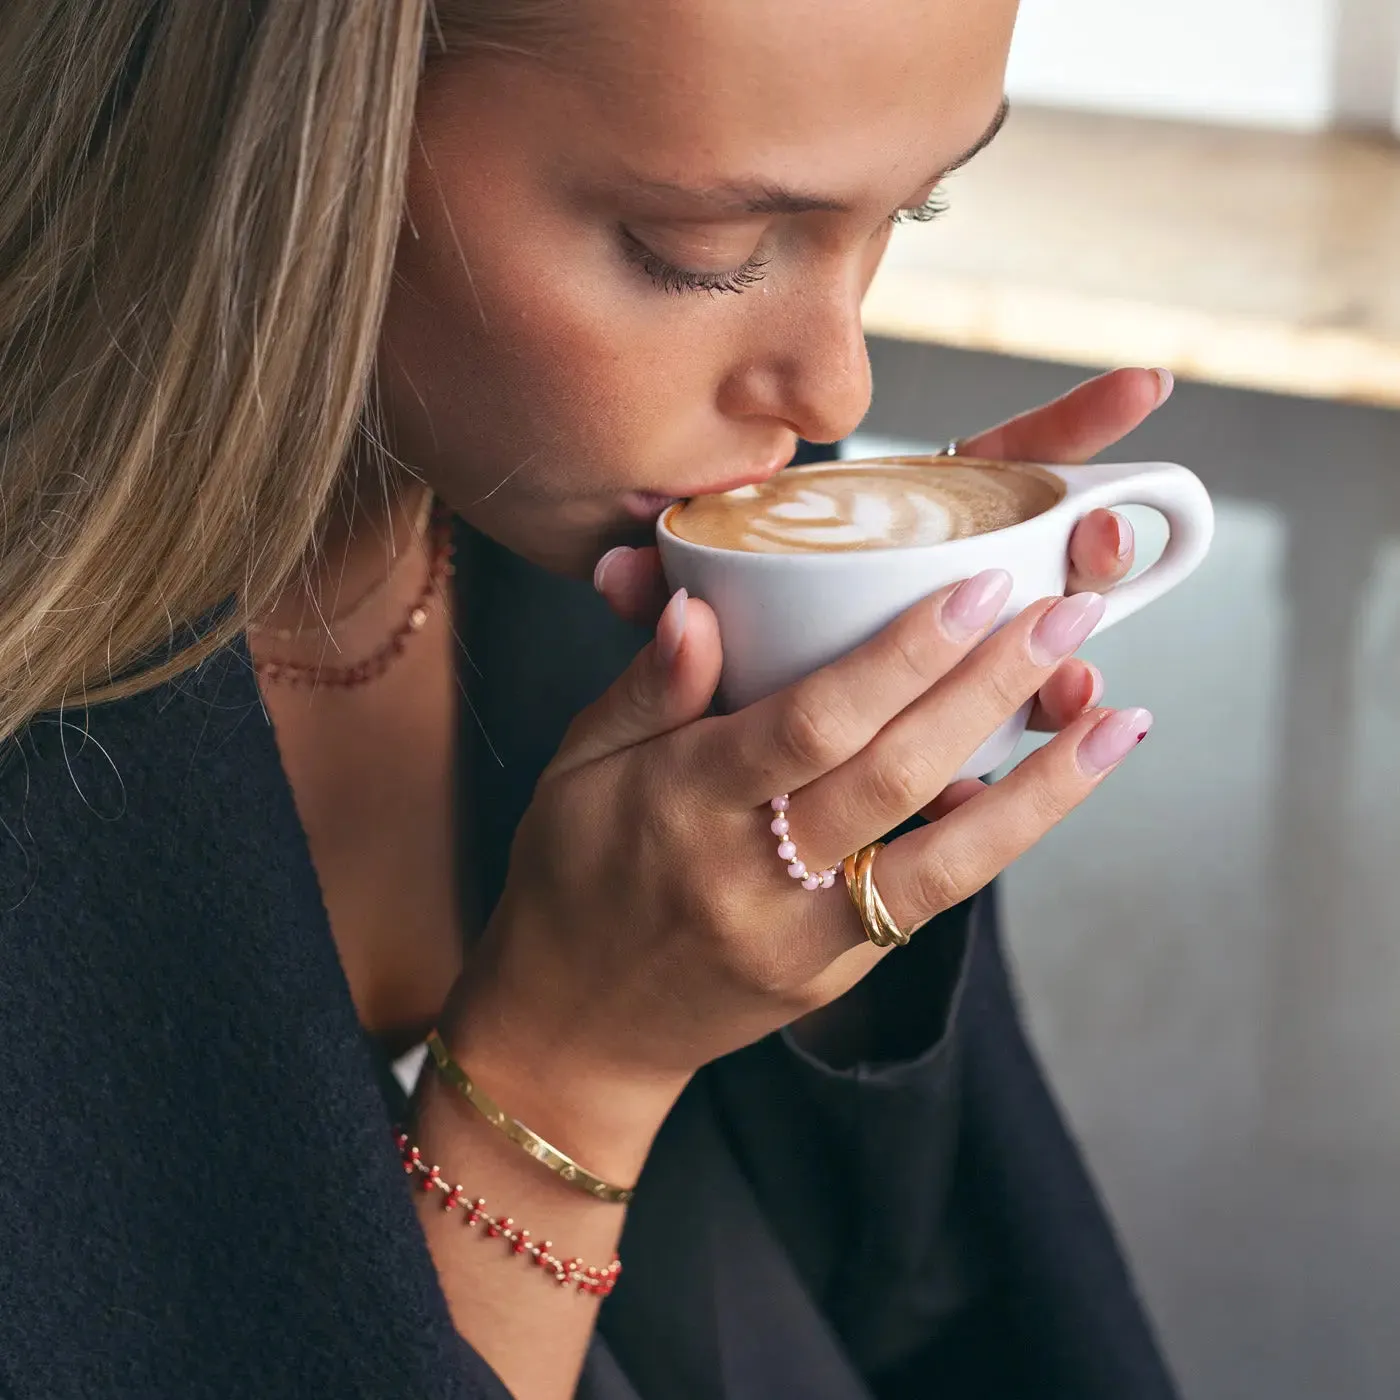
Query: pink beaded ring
x=787, y=850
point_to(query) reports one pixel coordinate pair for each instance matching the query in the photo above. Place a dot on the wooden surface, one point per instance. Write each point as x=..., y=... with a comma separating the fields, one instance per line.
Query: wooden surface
x=1263, y=260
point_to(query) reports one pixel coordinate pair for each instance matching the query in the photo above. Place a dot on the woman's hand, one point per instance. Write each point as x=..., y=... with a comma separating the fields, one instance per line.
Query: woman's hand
x=1085, y=422
x=647, y=924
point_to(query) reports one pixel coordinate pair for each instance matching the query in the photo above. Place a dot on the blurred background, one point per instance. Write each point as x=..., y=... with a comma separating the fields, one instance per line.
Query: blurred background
x=1210, y=950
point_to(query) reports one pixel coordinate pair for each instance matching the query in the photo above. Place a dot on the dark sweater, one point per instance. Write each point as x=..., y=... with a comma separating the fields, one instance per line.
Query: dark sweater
x=199, y=1196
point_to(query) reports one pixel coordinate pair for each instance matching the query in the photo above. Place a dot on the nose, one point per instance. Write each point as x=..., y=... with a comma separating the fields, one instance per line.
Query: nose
x=811, y=370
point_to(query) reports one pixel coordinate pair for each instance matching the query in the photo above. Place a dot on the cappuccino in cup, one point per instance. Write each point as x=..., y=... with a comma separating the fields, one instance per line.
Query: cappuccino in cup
x=812, y=564
x=895, y=503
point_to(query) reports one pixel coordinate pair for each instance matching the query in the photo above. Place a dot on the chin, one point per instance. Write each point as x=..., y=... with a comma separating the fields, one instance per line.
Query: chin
x=570, y=549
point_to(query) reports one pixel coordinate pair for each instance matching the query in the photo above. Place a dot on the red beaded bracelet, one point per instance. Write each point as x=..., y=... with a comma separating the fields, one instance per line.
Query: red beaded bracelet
x=567, y=1272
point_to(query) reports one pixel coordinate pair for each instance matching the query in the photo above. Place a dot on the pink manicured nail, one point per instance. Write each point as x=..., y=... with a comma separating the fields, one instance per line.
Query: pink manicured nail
x=601, y=567
x=1166, y=381
x=1065, y=627
x=974, y=604
x=1126, y=537
x=1112, y=739
x=670, y=631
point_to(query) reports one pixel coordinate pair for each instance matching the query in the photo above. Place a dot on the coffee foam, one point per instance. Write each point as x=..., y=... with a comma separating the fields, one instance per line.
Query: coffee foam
x=893, y=503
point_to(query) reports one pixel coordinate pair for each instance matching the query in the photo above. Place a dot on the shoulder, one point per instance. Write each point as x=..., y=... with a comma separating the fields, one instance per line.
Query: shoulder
x=95, y=798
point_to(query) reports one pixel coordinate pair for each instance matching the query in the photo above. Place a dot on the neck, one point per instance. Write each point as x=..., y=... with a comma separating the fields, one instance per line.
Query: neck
x=370, y=536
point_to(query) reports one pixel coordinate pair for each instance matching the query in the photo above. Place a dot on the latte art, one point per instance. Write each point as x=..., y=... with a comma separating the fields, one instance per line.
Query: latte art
x=890, y=504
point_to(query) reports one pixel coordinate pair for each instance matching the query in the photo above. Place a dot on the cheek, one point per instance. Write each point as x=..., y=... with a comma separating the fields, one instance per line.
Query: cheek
x=547, y=346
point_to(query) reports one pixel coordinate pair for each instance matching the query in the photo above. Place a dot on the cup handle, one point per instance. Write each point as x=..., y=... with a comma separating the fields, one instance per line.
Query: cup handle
x=1174, y=491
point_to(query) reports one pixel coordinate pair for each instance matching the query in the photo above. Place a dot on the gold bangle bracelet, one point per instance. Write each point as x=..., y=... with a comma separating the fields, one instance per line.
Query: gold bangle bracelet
x=530, y=1142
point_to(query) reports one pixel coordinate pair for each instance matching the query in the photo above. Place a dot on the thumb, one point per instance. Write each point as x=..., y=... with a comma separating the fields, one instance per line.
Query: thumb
x=632, y=582
x=670, y=683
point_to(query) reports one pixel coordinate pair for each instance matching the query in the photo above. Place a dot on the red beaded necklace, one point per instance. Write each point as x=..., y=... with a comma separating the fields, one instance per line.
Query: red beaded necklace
x=440, y=569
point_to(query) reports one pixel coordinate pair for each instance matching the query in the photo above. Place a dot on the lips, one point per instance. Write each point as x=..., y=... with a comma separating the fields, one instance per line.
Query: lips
x=647, y=506
x=658, y=501
x=750, y=478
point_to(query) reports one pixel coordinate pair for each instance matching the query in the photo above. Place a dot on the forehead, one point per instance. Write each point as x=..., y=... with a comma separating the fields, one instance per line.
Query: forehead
x=835, y=93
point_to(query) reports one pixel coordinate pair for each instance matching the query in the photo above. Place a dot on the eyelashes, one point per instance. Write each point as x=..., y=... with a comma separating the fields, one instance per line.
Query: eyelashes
x=678, y=280
x=670, y=278
x=932, y=208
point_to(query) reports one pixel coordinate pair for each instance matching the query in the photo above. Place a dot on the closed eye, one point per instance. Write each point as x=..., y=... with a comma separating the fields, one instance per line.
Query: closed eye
x=671, y=278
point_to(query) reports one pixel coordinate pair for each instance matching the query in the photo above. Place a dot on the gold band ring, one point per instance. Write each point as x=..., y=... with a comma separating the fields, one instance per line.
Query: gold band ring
x=880, y=927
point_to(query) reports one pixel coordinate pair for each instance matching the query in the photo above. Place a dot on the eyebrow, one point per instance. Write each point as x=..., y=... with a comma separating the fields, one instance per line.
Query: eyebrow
x=746, y=197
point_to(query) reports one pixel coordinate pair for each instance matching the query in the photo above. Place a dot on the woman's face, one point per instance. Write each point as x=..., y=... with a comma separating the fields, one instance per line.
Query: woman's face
x=638, y=275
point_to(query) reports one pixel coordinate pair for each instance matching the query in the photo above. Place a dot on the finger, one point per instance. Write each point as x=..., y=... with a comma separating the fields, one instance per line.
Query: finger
x=1080, y=425
x=783, y=743
x=1077, y=686
x=951, y=798
x=932, y=869
x=1100, y=552
x=632, y=582
x=670, y=683
x=918, y=753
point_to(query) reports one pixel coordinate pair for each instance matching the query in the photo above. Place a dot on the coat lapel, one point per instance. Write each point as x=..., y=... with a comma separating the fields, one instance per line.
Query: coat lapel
x=195, y=1151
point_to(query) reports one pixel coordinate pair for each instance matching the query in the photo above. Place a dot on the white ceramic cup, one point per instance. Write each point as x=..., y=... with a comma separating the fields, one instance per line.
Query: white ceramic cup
x=783, y=616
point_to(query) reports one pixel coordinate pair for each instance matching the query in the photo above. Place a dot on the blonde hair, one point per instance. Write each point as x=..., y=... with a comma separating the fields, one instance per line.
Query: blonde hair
x=199, y=205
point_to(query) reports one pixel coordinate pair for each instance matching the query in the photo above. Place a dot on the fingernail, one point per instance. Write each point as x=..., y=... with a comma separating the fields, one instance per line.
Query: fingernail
x=1166, y=382
x=1112, y=739
x=670, y=631
x=1126, y=536
x=1065, y=627
x=1096, y=692
x=975, y=604
x=602, y=566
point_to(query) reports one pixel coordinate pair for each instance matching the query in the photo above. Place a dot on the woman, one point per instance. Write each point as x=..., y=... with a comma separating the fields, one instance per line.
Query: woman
x=271, y=270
